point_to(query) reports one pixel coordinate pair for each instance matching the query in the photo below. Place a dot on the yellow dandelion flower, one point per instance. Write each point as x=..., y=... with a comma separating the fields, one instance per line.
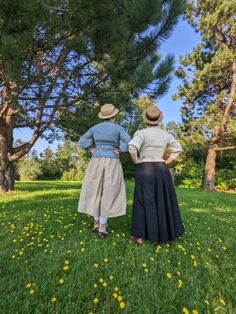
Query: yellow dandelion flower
x=105, y=284
x=82, y=249
x=180, y=283
x=144, y=265
x=101, y=280
x=66, y=268
x=106, y=260
x=195, y=311
x=168, y=275
x=185, y=310
x=111, y=277
x=195, y=264
x=61, y=281
x=122, y=305
x=178, y=273
x=13, y=257
x=152, y=258
x=116, y=289
x=115, y=295
x=222, y=301
x=224, y=248
x=95, y=301
x=120, y=298
x=206, y=302
x=96, y=265
x=53, y=299
x=32, y=291
x=146, y=270
x=95, y=285
x=29, y=285
x=192, y=257
x=66, y=262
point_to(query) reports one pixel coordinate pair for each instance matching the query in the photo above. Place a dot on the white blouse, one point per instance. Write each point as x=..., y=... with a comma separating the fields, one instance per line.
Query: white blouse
x=152, y=142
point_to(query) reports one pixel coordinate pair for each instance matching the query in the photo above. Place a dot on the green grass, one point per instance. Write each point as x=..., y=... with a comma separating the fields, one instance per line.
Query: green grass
x=40, y=229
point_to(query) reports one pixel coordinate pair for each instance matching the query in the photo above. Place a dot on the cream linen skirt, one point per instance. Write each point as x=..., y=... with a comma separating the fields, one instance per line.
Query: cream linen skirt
x=103, y=192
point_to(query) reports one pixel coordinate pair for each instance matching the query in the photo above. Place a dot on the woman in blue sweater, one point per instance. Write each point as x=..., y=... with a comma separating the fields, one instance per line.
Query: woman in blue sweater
x=103, y=193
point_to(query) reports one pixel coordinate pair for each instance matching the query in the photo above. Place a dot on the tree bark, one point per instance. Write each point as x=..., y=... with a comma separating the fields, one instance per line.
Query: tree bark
x=4, y=161
x=209, y=180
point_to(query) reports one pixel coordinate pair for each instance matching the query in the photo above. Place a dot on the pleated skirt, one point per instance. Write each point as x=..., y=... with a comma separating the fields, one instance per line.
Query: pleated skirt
x=103, y=191
x=156, y=214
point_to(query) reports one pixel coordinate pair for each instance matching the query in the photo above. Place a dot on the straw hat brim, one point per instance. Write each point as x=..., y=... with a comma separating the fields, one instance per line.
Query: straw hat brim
x=152, y=122
x=101, y=116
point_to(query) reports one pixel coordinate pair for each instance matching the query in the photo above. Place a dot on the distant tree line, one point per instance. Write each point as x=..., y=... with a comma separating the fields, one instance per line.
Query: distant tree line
x=68, y=161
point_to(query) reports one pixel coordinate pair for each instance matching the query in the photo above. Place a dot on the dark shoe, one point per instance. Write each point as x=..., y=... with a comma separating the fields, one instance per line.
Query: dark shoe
x=102, y=234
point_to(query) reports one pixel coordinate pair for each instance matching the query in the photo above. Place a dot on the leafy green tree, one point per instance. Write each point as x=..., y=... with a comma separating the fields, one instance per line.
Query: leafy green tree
x=29, y=169
x=50, y=169
x=209, y=81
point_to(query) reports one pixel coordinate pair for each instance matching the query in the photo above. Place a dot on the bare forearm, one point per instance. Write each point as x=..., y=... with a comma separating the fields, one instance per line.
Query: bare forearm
x=134, y=157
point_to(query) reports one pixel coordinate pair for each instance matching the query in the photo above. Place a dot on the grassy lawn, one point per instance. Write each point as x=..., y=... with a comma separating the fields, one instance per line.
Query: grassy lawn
x=41, y=233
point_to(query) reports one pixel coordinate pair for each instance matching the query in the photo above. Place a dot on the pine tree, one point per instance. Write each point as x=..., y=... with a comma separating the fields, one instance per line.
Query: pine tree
x=209, y=80
x=57, y=55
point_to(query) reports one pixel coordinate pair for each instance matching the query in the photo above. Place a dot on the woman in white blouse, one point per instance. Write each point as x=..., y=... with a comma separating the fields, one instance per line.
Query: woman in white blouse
x=156, y=214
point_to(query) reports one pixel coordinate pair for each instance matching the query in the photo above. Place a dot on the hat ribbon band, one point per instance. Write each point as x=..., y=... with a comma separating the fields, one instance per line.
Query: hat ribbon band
x=153, y=119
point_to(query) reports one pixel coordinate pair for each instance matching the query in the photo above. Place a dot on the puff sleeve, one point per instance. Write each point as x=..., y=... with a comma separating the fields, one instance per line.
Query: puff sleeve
x=124, y=140
x=174, y=147
x=136, y=142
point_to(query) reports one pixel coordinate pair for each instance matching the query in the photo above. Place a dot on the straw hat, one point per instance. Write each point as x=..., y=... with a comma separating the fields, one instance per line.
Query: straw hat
x=153, y=115
x=108, y=111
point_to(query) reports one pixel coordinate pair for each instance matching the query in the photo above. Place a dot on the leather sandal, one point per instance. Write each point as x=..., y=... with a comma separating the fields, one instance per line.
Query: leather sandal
x=95, y=226
x=102, y=231
x=136, y=240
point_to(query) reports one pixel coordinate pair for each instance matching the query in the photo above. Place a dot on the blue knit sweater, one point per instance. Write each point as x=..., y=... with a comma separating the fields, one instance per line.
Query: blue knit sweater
x=105, y=136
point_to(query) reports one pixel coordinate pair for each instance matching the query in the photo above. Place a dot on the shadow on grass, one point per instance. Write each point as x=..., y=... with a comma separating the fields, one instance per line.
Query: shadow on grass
x=46, y=185
x=42, y=202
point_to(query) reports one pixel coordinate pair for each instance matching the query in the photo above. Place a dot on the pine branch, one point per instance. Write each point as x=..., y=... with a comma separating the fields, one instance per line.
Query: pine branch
x=219, y=149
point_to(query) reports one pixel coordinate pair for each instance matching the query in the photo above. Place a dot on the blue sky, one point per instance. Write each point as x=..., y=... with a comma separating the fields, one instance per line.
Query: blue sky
x=182, y=41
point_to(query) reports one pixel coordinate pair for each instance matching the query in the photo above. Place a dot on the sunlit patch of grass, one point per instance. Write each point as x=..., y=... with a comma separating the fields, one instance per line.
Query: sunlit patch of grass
x=52, y=262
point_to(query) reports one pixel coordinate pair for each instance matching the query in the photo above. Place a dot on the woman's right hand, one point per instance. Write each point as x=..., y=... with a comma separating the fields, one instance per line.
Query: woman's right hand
x=169, y=160
x=116, y=151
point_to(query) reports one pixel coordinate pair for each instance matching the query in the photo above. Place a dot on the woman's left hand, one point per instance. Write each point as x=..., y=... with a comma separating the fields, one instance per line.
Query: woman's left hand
x=116, y=151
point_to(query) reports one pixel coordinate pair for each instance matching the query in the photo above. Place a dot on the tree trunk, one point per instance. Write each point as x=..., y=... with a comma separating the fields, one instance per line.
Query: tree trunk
x=7, y=181
x=209, y=181
x=6, y=167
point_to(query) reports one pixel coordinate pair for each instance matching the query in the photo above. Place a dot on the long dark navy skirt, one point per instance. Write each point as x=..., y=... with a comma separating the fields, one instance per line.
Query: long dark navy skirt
x=156, y=214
